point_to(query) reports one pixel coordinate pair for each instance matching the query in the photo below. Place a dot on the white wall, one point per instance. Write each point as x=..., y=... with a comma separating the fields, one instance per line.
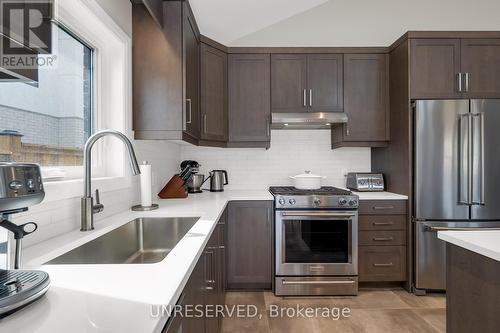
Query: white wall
x=373, y=23
x=292, y=152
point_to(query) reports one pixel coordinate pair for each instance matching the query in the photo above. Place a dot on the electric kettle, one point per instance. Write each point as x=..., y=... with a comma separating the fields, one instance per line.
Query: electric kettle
x=218, y=178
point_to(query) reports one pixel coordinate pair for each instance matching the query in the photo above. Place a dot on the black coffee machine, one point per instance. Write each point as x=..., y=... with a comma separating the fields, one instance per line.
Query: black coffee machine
x=20, y=187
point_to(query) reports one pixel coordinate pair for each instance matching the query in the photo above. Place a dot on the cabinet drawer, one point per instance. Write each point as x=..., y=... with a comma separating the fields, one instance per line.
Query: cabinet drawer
x=384, y=237
x=382, y=263
x=382, y=207
x=382, y=222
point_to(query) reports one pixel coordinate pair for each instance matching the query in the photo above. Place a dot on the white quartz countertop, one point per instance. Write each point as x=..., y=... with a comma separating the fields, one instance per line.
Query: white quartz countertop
x=380, y=196
x=120, y=298
x=484, y=242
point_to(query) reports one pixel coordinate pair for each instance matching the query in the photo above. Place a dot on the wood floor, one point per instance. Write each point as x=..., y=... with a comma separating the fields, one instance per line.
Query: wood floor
x=372, y=311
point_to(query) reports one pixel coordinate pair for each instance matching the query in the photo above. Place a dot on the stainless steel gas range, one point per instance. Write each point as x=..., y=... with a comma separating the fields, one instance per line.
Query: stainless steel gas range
x=316, y=240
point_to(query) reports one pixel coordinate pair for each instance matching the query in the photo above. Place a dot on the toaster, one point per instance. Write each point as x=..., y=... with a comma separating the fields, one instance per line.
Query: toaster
x=365, y=182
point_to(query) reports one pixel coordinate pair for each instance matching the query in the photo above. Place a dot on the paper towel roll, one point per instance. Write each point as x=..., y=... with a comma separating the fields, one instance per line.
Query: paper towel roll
x=146, y=196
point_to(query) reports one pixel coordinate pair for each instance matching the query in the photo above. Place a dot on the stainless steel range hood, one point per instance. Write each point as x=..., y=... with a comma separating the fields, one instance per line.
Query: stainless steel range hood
x=307, y=120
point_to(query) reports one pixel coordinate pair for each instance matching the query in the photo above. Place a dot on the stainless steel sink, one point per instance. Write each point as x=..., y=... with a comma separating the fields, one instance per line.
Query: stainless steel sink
x=141, y=241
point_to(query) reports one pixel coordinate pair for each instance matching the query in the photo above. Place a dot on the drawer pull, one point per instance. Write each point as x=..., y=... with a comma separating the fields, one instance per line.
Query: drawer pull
x=383, y=223
x=383, y=207
x=383, y=239
x=384, y=265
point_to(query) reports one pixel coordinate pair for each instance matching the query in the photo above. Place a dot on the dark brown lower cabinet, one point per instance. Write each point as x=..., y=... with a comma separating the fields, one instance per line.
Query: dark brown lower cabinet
x=250, y=245
x=205, y=287
x=382, y=241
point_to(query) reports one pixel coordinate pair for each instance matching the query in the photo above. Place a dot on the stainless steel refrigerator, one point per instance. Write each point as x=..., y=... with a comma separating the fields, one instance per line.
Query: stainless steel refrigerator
x=456, y=178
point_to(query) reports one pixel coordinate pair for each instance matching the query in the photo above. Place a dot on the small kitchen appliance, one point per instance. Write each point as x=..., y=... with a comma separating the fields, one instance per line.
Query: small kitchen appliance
x=316, y=241
x=365, y=182
x=195, y=182
x=218, y=178
x=20, y=187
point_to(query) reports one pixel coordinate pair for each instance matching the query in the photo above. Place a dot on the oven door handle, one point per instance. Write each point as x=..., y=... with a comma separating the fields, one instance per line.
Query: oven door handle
x=318, y=214
x=318, y=282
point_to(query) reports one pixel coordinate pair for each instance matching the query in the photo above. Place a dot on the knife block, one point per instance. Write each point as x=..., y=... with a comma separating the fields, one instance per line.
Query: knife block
x=175, y=189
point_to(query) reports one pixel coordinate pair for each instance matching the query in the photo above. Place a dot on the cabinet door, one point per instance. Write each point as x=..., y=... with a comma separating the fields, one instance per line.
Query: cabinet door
x=434, y=68
x=212, y=280
x=249, y=84
x=325, y=82
x=288, y=83
x=250, y=245
x=480, y=59
x=195, y=291
x=366, y=99
x=213, y=94
x=192, y=75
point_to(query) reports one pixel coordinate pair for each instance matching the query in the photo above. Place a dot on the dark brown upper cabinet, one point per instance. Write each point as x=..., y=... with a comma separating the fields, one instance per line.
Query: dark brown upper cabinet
x=324, y=82
x=434, y=68
x=304, y=83
x=249, y=245
x=249, y=100
x=192, y=76
x=289, y=83
x=480, y=59
x=165, y=73
x=366, y=102
x=455, y=68
x=213, y=94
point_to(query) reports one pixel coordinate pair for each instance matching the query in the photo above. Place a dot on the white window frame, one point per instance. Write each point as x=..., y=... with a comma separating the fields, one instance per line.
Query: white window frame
x=112, y=64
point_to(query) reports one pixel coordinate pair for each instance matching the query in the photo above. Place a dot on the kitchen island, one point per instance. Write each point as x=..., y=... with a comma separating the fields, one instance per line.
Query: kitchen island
x=472, y=280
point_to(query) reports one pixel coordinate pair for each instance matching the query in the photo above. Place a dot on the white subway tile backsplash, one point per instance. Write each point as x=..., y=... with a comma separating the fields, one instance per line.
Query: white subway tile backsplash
x=291, y=152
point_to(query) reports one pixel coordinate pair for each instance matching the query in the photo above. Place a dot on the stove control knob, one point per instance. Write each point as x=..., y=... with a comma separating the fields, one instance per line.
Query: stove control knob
x=342, y=201
x=281, y=201
x=317, y=202
x=353, y=202
x=292, y=201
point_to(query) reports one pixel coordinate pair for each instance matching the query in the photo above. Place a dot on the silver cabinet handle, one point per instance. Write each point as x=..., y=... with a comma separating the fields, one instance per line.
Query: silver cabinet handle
x=188, y=102
x=383, y=239
x=318, y=282
x=389, y=264
x=459, y=81
x=268, y=128
x=383, y=207
x=383, y=223
x=465, y=177
x=305, y=98
x=310, y=97
x=467, y=75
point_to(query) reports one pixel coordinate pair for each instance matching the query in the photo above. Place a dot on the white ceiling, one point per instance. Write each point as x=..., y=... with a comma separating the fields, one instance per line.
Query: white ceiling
x=228, y=20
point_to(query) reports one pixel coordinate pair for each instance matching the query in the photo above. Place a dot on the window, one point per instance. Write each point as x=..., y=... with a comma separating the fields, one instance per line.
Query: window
x=49, y=123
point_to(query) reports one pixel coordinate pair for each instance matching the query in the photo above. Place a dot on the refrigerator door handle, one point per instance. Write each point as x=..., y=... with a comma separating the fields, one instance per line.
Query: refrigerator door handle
x=481, y=160
x=478, y=156
x=465, y=171
x=435, y=229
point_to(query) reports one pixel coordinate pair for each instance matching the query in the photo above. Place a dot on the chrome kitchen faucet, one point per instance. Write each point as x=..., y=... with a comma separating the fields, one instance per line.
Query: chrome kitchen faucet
x=88, y=208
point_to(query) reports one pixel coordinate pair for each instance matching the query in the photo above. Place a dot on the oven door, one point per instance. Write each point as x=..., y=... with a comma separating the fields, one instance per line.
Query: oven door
x=316, y=243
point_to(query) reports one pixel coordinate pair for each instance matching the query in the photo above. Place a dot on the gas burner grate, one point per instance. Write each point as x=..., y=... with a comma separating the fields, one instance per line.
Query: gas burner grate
x=325, y=190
